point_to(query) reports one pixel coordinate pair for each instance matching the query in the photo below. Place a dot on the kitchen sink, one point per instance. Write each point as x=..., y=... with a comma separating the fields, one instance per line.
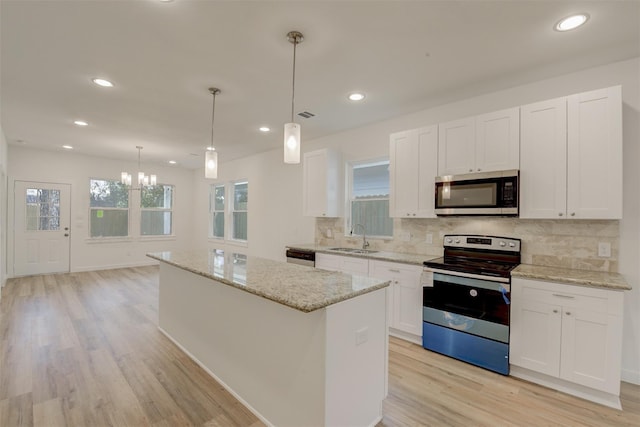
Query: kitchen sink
x=354, y=250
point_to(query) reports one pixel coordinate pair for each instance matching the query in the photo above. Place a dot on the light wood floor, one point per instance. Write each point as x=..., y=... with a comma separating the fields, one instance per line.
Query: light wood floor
x=83, y=349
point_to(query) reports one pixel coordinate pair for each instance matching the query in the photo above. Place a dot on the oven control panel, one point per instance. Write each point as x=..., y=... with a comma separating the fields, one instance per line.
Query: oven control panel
x=482, y=242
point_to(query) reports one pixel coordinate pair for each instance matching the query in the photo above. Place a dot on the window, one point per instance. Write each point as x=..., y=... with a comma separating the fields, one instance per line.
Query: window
x=236, y=211
x=216, y=211
x=109, y=208
x=43, y=209
x=239, y=217
x=369, y=199
x=156, y=202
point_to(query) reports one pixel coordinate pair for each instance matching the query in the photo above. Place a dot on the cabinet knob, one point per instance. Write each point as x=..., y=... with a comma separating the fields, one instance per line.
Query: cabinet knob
x=324, y=214
x=573, y=214
x=408, y=214
x=414, y=214
x=555, y=311
x=560, y=214
x=479, y=169
x=568, y=313
x=470, y=170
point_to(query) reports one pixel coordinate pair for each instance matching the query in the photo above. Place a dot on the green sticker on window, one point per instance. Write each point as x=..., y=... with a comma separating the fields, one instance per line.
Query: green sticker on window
x=99, y=214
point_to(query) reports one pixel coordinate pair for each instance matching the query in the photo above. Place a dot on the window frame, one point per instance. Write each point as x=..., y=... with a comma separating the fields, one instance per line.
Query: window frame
x=170, y=210
x=349, y=199
x=108, y=208
x=229, y=210
x=213, y=211
x=233, y=210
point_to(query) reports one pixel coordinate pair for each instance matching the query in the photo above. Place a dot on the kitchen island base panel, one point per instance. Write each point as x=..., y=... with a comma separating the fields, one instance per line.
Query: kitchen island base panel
x=290, y=368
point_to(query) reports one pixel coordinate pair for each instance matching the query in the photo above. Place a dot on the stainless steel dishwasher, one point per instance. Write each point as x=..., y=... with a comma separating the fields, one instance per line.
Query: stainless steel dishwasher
x=301, y=256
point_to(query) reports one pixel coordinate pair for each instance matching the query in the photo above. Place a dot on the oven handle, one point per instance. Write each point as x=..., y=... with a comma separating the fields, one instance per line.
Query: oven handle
x=503, y=291
x=469, y=275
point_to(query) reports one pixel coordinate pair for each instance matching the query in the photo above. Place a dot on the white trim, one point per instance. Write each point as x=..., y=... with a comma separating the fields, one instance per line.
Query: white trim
x=94, y=240
x=630, y=376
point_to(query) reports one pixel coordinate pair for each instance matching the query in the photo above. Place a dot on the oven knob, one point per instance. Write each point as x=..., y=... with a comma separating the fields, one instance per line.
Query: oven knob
x=449, y=240
x=457, y=240
x=512, y=245
x=473, y=293
x=503, y=244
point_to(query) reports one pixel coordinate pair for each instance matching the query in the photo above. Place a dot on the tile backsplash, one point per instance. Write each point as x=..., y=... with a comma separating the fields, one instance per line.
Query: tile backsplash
x=556, y=243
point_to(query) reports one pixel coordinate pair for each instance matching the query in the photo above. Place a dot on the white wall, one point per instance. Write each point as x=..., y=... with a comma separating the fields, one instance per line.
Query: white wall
x=3, y=209
x=275, y=205
x=76, y=169
x=281, y=224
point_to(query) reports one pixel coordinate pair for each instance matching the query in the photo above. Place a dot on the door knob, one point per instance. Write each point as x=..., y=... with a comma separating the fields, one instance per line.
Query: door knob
x=66, y=234
x=66, y=228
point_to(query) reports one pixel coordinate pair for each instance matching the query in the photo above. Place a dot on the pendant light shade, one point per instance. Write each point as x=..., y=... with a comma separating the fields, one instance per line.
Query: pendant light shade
x=292, y=129
x=211, y=157
x=211, y=165
x=291, y=143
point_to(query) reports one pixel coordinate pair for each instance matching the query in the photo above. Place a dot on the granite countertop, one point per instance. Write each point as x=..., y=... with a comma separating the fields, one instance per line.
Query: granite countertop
x=404, y=258
x=594, y=279
x=299, y=287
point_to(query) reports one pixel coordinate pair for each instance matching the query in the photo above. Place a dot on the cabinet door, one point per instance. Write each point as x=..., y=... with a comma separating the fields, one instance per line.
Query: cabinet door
x=589, y=340
x=403, y=174
x=535, y=336
x=543, y=162
x=498, y=141
x=456, y=147
x=427, y=170
x=322, y=183
x=595, y=154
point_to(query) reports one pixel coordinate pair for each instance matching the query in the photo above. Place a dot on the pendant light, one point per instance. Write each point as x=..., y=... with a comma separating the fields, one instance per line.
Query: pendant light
x=211, y=157
x=292, y=129
x=143, y=179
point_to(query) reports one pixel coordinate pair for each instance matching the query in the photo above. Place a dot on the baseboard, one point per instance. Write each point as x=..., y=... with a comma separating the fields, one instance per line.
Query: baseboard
x=597, y=396
x=215, y=377
x=114, y=266
x=416, y=339
x=629, y=376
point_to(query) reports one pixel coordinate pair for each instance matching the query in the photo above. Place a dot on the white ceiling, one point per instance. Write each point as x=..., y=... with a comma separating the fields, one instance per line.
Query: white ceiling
x=405, y=55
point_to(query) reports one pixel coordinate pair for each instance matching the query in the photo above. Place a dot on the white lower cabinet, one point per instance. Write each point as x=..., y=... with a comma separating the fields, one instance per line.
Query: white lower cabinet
x=567, y=337
x=343, y=264
x=405, y=297
x=404, y=294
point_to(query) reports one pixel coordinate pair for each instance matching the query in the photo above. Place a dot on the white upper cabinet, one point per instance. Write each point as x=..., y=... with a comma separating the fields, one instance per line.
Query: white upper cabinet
x=543, y=162
x=595, y=154
x=456, y=147
x=413, y=162
x=498, y=141
x=571, y=157
x=322, y=184
x=485, y=143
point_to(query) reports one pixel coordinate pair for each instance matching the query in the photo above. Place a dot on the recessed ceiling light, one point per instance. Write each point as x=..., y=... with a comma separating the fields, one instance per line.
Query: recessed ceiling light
x=102, y=82
x=571, y=22
x=67, y=147
x=172, y=162
x=264, y=129
x=80, y=123
x=356, y=96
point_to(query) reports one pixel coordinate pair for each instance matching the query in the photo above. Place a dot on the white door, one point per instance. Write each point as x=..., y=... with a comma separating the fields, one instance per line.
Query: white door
x=41, y=228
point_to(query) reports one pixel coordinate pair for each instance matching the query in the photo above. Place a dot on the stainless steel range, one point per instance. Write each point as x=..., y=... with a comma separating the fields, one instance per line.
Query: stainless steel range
x=466, y=300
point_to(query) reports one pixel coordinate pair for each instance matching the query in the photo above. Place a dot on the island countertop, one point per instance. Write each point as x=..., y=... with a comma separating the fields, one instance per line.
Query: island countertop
x=299, y=287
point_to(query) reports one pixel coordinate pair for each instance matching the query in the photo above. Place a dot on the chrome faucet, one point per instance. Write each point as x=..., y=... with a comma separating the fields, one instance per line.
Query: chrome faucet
x=365, y=244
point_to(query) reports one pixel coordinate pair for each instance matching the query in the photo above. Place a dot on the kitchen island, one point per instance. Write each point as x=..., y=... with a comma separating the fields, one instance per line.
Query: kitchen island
x=298, y=346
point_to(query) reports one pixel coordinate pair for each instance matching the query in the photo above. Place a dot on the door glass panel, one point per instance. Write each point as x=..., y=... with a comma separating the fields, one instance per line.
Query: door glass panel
x=42, y=209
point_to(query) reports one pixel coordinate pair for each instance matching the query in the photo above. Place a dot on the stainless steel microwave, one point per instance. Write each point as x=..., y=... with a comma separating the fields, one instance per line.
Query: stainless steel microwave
x=485, y=193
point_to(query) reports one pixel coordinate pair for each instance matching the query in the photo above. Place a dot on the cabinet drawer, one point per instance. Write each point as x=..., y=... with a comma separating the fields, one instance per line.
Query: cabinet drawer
x=394, y=271
x=596, y=300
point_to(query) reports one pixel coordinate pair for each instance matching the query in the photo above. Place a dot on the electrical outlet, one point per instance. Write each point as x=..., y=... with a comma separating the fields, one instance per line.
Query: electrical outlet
x=329, y=233
x=430, y=238
x=362, y=335
x=604, y=249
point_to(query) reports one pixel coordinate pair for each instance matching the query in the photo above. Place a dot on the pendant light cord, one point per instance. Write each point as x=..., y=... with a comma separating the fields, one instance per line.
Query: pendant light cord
x=213, y=114
x=293, y=86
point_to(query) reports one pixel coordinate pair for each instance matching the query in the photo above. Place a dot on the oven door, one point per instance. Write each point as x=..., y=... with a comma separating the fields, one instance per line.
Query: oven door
x=474, y=306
